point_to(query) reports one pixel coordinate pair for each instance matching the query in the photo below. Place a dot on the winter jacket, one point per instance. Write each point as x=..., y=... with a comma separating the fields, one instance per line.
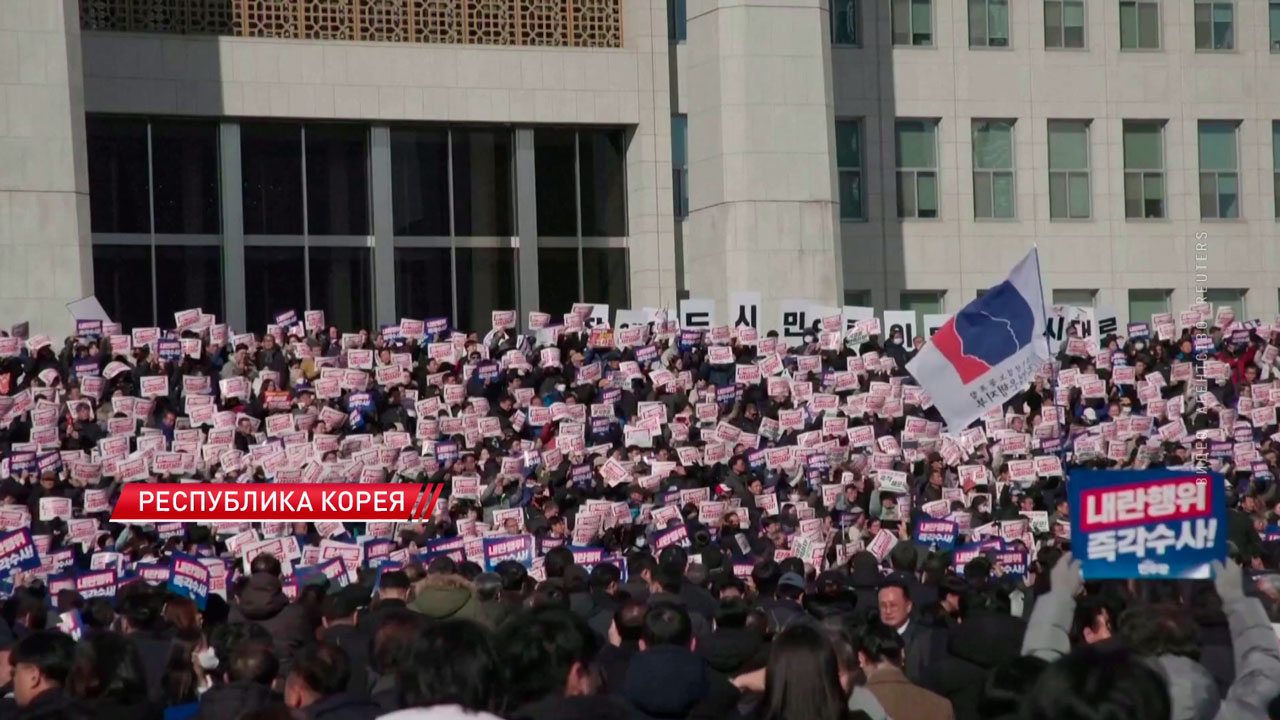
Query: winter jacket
x=233, y=700
x=343, y=706
x=1191, y=688
x=903, y=699
x=355, y=643
x=447, y=597
x=974, y=648
x=669, y=681
x=54, y=705
x=263, y=602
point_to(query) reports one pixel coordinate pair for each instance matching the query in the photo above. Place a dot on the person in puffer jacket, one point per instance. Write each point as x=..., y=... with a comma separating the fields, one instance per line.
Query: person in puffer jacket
x=1192, y=693
x=262, y=601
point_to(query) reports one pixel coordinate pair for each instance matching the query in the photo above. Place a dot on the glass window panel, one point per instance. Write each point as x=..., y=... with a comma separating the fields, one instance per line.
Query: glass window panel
x=1133, y=195
x=184, y=161
x=122, y=283
x=1128, y=25
x=118, y=186
x=1073, y=36
x=1053, y=23
x=554, y=159
x=482, y=183
x=1068, y=145
x=922, y=22
x=1229, y=195
x=848, y=152
x=851, y=195
x=1074, y=298
x=998, y=23
x=337, y=179
x=1275, y=145
x=486, y=282
x=271, y=162
x=342, y=285
x=188, y=276
x=1078, y=187
x=1004, y=195
x=1144, y=303
x=680, y=140
x=1142, y=146
x=992, y=145
x=424, y=283
x=1233, y=299
x=604, y=276
x=274, y=281
x=977, y=22
x=1204, y=26
x=677, y=21
x=1217, y=145
x=906, y=194
x=982, y=200
x=1275, y=25
x=557, y=280
x=915, y=145
x=1149, y=25
x=927, y=188
x=1073, y=14
x=420, y=181
x=1153, y=195
x=1058, y=199
x=901, y=22
x=845, y=22
x=1223, y=27
x=603, y=183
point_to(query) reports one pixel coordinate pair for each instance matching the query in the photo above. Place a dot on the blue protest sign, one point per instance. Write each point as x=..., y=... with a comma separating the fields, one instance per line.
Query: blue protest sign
x=446, y=451
x=499, y=549
x=96, y=583
x=169, y=349
x=360, y=401
x=941, y=533
x=1271, y=534
x=189, y=578
x=17, y=552
x=153, y=573
x=436, y=325
x=1014, y=562
x=1147, y=523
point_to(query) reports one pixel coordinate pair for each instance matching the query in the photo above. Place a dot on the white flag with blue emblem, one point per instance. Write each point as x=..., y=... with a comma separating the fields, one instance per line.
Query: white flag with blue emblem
x=989, y=351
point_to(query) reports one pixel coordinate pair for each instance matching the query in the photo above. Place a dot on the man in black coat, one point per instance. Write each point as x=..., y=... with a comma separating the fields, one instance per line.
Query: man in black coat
x=317, y=685
x=41, y=663
x=666, y=679
x=340, y=630
x=923, y=645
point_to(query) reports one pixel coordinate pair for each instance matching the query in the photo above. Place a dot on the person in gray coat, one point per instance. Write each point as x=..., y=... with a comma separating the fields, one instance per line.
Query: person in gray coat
x=1192, y=693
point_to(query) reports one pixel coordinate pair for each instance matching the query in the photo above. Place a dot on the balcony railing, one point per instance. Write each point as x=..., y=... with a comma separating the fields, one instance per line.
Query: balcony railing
x=557, y=23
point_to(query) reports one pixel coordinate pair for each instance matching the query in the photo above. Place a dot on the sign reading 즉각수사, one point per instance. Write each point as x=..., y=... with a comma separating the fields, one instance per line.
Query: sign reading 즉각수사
x=1148, y=523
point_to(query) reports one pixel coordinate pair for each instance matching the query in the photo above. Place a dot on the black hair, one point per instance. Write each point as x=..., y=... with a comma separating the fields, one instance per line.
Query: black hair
x=1090, y=611
x=538, y=649
x=802, y=679
x=394, y=580
x=252, y=661
x=629, y=619
x=487, y=586
x=513, y=576
x=264, y=563
x=325, y=669
x=881, y=643
x=340, y=605
x=50, y=651
x=904, y=556
x=732, y=613
x=1163, y=629
x=558, y=560
x=604, y=575
x=1097, y=684
x=638, y=563
x=178, y=683
x=667, y=624
x=765, y=575
x=107, y=667
x=1008, y=684
x=442, y=565
x=674, y=554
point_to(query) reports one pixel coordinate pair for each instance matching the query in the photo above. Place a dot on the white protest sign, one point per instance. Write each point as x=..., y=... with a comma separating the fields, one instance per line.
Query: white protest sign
x=793, y=318
x=934, y=321
x=853, y=314
x=697, y=313
x=900, y=321
x=744, y=309
x=88, y=308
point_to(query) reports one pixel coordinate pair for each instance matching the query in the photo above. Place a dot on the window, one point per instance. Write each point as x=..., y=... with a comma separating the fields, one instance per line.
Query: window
x=559, y=265
x=122, y=283
x=1219, y=179
x=420, y=183
x=1075, y=298
x=555, y=156
x=921, y=302
x=187, y=276
x=1139, y=25
x=857, y=298
x=994, y=189
x=337, y=179
x=1070, y=196
x=849, y=167
x=1233, y=299
x=844, y=22
x=1275, y=165
x=342, y=285
x=680, y=164
x=604, y=276
x=184, y=164
x=486, y=280
x=1064, y=23
x=1215, y=25
x=1144, y=169
x=119, y=190
x=424, y=283
x=1144, y=303
x=988, y=23
x=271, y=162
x=916, y=150
x=677, y=22
x=1275, y=25
x=274, y=281
x=602, y=187
x=483, y=194
x=913, y=22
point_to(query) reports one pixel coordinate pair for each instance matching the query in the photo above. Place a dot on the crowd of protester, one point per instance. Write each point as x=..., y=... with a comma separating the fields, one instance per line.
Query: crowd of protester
x=711, y=542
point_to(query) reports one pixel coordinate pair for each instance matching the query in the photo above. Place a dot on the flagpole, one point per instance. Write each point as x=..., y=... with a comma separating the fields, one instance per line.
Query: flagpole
x=1053, y=366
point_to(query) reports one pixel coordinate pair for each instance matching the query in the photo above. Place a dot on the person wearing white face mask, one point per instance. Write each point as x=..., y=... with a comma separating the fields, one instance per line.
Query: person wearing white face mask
x=189, y=671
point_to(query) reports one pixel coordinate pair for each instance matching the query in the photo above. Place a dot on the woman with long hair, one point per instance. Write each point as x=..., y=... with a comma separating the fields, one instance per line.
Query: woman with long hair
x=452, y=663
x=107, y=676
x=802, y=679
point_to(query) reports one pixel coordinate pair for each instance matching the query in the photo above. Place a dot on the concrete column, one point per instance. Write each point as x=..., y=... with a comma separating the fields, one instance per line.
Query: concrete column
x=232, y=196
x=526, y=224
x=46, y=259
x=763, y=211
x=384, y=251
